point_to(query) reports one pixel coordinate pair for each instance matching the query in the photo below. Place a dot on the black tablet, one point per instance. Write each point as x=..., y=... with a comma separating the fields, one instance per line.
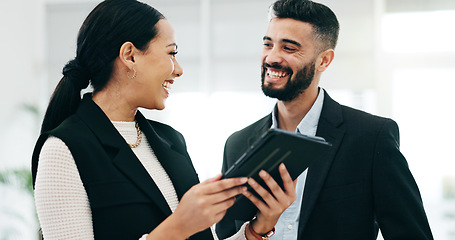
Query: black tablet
x=276, y=146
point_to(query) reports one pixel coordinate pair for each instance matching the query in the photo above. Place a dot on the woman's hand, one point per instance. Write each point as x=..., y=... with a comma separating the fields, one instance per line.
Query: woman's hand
x=205, y=204
x=274, y=204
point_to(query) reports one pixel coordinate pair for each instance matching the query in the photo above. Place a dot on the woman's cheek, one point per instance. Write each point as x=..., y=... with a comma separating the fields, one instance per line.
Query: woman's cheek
x=172, y=66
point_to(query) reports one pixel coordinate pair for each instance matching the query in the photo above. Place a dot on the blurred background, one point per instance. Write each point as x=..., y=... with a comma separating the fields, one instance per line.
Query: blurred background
x=395, y=58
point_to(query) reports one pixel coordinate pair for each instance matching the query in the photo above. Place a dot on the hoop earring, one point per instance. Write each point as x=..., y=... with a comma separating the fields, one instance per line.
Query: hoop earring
x=134, y=74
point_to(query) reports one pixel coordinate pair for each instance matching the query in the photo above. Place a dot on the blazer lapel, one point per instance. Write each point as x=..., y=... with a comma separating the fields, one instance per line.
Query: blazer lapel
x=122, y=156
x=128, y=164
x=330, y=128
x=178, y=167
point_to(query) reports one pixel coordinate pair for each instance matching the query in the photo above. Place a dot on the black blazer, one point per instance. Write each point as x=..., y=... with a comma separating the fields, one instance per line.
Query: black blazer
x=125, y=201
x=364, y=184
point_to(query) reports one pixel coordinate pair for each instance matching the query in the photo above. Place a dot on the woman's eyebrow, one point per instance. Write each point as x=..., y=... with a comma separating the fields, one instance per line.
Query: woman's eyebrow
x=173, y=44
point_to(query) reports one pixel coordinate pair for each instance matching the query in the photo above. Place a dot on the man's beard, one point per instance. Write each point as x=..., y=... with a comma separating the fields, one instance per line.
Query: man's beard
x=294, y=87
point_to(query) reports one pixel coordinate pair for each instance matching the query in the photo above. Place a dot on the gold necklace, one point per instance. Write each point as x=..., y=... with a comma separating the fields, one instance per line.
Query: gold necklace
x=139, y=137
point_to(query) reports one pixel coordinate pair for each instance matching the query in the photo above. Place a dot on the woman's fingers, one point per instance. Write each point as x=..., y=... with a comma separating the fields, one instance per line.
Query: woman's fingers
x=206, y=203
x=210, y=187
x=220, y=194
x=213, y=179
x=220, y=191
x=221, y=207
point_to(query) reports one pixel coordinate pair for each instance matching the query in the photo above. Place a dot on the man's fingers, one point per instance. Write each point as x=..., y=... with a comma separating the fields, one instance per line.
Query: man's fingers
x=256, y=201
x=262, y=192
x=276, y=191
x=288, y=184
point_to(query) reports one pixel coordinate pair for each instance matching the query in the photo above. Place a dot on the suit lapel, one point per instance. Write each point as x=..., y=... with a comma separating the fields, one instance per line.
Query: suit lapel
x=122, y=156
x=330, y=128
x=263, y=125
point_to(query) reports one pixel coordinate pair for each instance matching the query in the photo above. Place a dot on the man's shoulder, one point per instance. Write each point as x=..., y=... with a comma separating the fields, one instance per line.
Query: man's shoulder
x=359, y=113
x=355, y=115
x=353, y=119
x=263, y=123
x=331, y=106
x=365, y=123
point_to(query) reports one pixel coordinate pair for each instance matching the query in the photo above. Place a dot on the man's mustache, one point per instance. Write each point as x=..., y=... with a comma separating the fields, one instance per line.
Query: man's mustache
x=276, y=66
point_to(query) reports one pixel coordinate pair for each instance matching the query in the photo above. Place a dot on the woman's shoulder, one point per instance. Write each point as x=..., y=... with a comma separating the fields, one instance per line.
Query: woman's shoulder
x=70, y=125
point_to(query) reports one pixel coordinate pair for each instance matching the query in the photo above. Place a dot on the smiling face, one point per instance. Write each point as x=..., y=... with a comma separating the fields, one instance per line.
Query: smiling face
x=157, y=68
x=288, y=58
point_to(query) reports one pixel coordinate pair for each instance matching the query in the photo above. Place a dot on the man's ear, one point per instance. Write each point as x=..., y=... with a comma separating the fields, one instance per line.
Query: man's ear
x=324, y=60
x=127, y=54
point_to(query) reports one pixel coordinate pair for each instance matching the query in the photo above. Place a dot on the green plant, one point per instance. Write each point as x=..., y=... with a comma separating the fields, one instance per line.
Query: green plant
x=19, y=178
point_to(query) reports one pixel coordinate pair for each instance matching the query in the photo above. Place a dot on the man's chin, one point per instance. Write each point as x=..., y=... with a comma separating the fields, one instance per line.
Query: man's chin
x=272, y=92
x=282, y=94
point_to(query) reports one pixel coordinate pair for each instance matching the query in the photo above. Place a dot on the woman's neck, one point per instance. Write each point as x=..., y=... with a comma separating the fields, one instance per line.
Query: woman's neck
x=114, y=105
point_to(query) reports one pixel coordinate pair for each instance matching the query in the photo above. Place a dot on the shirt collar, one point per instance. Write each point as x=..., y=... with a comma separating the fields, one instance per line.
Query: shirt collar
x=309, y=123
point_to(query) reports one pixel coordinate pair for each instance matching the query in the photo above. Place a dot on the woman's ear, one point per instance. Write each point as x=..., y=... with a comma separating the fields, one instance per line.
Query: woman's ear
x=324, y=60
x=127, y=53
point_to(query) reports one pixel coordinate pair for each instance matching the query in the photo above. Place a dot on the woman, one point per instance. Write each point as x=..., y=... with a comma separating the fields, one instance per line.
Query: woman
x=103, y=171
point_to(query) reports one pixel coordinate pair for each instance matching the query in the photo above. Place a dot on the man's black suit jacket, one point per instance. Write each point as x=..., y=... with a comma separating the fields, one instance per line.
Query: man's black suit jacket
x=364, y=183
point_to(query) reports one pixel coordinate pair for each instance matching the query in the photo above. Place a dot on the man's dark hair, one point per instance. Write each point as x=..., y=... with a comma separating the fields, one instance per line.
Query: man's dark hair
x=323, y=20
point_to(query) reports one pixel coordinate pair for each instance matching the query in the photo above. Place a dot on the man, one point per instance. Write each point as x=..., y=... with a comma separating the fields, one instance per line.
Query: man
x=364, y=184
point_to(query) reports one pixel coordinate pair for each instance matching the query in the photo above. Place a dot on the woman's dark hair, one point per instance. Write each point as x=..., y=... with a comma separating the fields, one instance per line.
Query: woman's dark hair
x=109, y=25
x=323, y=20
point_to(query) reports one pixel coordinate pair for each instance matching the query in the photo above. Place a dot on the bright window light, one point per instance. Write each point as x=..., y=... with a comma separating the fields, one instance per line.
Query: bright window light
x=423, y=108
x=419, y=32
x=207, y=120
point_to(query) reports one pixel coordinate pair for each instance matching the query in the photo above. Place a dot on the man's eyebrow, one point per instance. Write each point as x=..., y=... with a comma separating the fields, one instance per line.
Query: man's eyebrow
x=292, y=42
x=283, y=40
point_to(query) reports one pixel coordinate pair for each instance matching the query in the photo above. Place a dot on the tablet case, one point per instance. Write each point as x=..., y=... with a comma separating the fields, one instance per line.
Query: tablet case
x=275, y=146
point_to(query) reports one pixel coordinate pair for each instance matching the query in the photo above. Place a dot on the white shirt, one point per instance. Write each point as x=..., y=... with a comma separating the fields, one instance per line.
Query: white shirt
x=288, y=224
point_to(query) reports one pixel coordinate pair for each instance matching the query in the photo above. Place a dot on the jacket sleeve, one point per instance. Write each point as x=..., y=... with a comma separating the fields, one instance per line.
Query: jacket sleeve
x=397, y=201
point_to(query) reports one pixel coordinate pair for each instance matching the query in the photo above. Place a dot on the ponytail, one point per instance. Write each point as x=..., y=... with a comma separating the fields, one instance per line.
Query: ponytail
x=66, y=96
x=110, y=24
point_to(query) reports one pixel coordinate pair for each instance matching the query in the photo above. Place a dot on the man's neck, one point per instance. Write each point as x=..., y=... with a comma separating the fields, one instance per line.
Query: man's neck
x=291, y=113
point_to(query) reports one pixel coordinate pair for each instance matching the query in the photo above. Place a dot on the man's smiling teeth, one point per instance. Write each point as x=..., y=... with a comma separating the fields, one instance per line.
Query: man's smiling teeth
x=167, y=85
x=276, y=74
